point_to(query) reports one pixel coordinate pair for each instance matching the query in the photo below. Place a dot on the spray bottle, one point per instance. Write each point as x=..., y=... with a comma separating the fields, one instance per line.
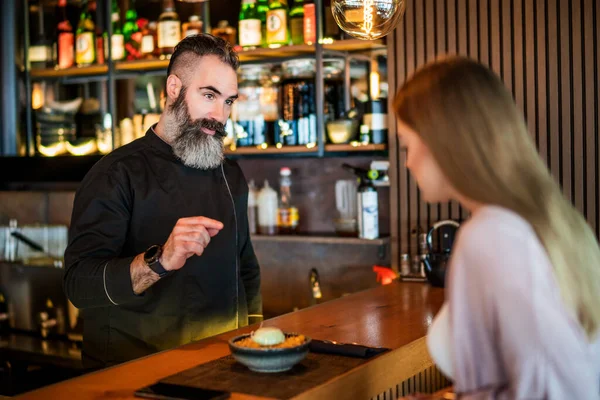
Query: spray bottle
x=368, y=202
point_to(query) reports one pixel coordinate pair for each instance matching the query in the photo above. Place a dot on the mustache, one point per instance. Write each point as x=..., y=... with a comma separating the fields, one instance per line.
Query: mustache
x=212, y=125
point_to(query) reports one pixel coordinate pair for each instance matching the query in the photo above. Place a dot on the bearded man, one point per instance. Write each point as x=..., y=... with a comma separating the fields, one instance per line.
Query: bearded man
x=159, y=250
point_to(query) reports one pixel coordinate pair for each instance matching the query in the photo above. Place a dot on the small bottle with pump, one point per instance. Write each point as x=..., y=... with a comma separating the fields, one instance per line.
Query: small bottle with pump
x=368, y=203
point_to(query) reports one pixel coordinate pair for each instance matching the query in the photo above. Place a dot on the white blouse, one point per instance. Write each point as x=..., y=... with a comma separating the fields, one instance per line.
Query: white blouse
x=504, y=331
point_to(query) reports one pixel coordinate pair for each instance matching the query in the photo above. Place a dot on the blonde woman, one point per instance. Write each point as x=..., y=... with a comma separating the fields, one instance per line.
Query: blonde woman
x=522, y=312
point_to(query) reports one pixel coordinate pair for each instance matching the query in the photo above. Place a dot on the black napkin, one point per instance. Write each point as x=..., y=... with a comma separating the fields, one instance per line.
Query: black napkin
x=345, y=349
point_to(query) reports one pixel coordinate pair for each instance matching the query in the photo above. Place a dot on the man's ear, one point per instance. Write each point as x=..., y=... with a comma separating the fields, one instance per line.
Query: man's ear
x=173, y=87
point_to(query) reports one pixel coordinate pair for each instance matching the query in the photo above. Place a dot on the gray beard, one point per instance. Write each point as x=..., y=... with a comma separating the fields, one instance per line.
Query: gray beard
x=190, y=144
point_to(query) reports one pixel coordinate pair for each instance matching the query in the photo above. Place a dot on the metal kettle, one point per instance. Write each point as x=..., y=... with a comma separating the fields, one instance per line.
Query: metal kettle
x=436, y=260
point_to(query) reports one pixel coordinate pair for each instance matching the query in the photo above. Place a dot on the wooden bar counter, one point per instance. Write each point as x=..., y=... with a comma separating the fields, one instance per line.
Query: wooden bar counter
x=395, y=316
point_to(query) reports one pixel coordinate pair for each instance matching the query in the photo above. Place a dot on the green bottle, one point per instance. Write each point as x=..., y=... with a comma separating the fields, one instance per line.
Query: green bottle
x=250, y=30
x=117, y=40
x=131, y=34
x=263, y=8
x=85, y=42
x=277, y=24
x=297, y=22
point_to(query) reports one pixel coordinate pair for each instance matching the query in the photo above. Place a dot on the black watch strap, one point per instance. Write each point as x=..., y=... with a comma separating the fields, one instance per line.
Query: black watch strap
x=159, y=269
x=152, y=260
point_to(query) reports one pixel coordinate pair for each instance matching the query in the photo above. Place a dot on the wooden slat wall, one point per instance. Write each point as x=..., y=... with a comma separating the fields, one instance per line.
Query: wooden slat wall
x=547, y=53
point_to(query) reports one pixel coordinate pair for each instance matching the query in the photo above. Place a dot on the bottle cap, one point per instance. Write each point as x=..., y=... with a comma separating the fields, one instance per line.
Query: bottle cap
x=285, y=171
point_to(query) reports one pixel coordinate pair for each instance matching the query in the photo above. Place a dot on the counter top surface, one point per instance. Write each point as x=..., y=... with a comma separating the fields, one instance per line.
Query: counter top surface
x=394, y=316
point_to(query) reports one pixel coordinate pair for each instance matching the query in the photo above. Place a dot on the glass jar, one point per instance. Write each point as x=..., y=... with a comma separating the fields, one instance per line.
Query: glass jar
x=255, y=113
x=298, y=123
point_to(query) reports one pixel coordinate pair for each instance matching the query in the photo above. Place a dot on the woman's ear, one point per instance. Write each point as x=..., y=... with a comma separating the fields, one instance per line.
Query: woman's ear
x=173, y=87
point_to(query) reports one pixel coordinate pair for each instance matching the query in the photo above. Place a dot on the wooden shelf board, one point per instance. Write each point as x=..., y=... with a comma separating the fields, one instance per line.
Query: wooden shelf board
x=142, y=65
x=320, y=239
x=69, y=72
x=281, y=52
x=245, y=56
x=270, y=150
x=352, y=148
x=355, y=45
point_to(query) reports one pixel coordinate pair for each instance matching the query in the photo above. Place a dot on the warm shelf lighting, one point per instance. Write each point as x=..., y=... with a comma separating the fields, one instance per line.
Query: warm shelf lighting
x=83, y=149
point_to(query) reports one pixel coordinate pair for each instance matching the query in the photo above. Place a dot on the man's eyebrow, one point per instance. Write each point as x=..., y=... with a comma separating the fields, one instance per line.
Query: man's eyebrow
x=214, y=89
x=211, y=88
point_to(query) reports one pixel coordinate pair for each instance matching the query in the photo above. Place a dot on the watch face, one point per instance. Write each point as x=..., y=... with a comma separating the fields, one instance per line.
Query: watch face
x=151, y=255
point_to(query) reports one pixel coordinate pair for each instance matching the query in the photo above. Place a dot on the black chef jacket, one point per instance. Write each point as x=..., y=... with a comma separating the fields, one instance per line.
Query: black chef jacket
x=130, y=200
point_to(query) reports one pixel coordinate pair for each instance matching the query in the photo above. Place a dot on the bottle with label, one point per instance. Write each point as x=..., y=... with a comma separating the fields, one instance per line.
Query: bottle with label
x=40, y=49
x=376, y=119
x=118, y=40
x=169, y=30
x=297, y=22
x=310, y=22
x=250, y=29
x=252, y=207
x=287, y=214
x=65, y=39
x=267, y=210
x=262, y=7
x=367, y=203
x=85, y=42
x=277, y=24
x=148, y=47
x=225, y=32
x=192, y=27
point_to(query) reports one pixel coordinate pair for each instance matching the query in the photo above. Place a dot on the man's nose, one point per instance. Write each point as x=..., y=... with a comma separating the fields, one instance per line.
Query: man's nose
x=217, y=113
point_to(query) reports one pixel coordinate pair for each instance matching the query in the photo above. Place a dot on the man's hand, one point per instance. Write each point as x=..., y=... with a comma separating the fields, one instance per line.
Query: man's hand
x=189, y=236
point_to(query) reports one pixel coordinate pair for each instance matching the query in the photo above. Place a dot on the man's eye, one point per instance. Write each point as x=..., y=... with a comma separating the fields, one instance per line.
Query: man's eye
x=229, y=102
x=209, y=96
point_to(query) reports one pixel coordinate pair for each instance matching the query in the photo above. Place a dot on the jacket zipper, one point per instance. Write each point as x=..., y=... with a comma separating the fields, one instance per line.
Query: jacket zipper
x=237, y=267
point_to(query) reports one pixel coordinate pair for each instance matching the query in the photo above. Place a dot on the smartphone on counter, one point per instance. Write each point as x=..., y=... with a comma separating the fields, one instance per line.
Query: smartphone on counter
x=167, y=391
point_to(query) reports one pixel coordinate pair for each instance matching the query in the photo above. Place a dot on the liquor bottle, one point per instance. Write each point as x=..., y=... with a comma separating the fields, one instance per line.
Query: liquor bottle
x=277, y=26
x=40, y=49
x=192, y=27
x=85, y=53
x=225, y=32
x=148, y=38
x=118, y=39
x=262, y=7
x=131, y=34
x=297, y=22
x=65, y=39
x=287, y=214
x=250, y=26
x=310, y=22
x=169, y=30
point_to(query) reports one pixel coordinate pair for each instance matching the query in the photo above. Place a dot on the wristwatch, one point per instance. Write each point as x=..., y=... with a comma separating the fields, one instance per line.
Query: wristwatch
x=152, y=260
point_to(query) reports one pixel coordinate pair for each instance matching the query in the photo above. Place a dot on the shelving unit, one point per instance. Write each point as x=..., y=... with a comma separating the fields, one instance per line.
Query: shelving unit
x=114, y=71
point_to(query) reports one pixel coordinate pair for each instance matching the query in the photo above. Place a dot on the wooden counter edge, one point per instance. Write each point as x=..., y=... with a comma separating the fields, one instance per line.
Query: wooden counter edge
x=377, y=376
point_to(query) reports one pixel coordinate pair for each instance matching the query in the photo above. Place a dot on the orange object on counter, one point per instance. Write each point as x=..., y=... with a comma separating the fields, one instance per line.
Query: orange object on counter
x=385, y=275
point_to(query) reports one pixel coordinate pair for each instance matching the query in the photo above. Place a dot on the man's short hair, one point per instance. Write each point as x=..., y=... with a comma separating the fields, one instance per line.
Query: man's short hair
x=203, y=45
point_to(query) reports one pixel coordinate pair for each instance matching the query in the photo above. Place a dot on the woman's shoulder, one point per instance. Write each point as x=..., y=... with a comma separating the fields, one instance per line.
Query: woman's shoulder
x=498, y=237
x=498, y=222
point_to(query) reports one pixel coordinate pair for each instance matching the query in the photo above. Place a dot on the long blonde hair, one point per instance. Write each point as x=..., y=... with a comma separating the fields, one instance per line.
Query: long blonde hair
x=473, y=128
